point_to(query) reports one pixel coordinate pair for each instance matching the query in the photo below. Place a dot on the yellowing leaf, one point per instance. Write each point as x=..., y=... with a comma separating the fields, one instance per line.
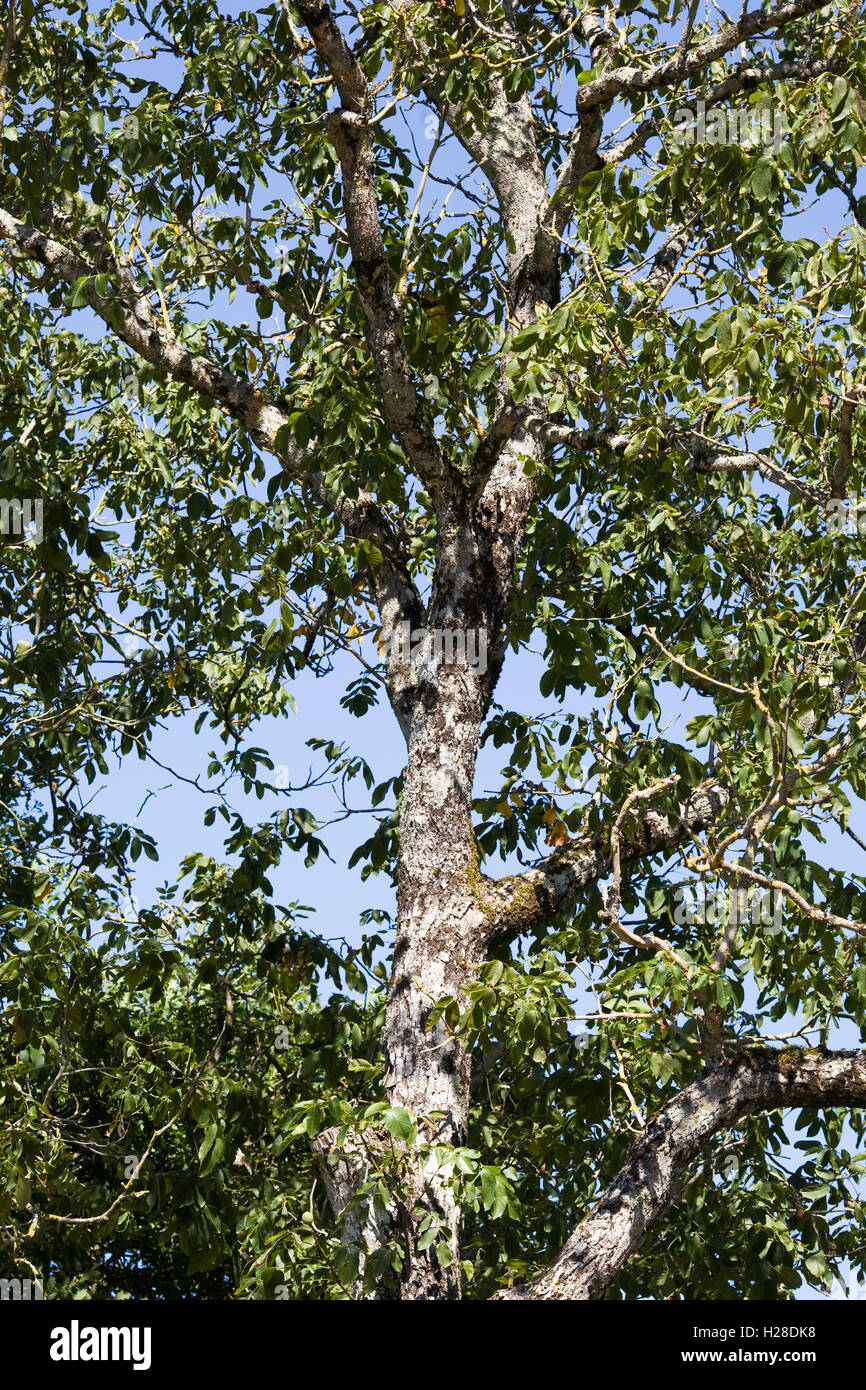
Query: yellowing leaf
x=558, y=835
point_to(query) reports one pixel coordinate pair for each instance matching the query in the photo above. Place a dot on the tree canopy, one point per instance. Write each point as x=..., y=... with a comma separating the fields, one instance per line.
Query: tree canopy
x=423, y=342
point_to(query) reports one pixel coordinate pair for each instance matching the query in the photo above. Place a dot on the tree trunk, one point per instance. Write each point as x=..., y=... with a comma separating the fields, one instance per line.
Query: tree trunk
x=438, y=946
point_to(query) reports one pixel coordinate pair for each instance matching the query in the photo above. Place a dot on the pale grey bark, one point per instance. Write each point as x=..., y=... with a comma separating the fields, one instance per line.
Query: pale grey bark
x=697, y=59
x=346, y=1167
x=524, y=902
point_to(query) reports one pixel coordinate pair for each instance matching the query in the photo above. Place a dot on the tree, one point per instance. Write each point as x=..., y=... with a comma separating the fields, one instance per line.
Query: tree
x=539, y=346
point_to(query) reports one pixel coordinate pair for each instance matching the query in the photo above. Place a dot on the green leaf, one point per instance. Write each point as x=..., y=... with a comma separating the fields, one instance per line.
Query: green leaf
x=399, y=1122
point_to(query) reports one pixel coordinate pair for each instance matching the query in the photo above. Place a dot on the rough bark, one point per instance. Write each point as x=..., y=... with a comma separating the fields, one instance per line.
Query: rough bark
x=438, y=945
x=365, y=1224
x=524, y=902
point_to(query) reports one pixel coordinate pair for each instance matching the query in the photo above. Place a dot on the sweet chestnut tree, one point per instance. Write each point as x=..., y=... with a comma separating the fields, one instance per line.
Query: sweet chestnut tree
x=420, y=341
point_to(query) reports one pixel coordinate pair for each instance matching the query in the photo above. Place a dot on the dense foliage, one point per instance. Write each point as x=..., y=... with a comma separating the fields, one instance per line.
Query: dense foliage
x=697, y=388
